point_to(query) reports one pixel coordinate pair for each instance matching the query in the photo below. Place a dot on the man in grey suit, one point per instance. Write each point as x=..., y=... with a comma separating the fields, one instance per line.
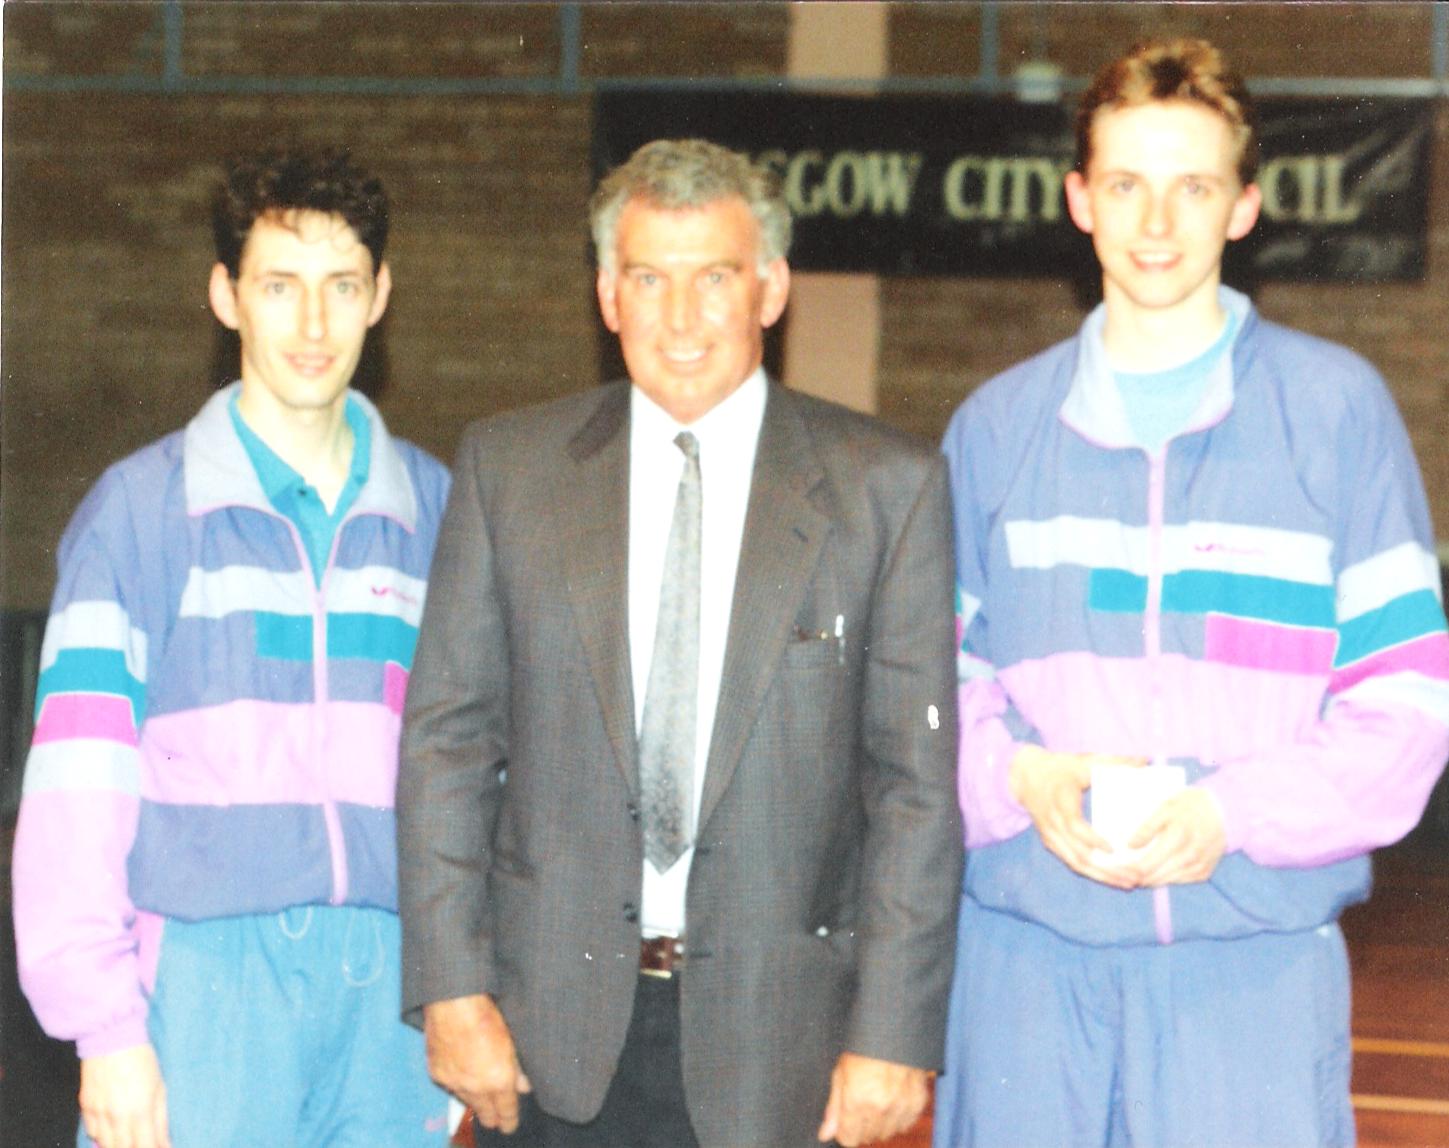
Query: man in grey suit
x=678, y=835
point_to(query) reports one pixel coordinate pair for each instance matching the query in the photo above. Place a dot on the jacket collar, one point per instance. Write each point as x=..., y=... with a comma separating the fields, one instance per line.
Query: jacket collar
x=1094, y=407
x=219, y=473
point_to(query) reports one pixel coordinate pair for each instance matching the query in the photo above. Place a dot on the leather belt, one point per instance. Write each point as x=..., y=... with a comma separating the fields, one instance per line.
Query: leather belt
x=660, y=956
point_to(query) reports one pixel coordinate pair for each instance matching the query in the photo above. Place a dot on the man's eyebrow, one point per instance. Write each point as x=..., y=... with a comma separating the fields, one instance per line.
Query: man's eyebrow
x=284, y=272
x=1205, y=176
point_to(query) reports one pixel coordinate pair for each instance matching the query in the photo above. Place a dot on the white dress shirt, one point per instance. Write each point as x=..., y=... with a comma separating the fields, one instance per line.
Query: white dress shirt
x=728, y=435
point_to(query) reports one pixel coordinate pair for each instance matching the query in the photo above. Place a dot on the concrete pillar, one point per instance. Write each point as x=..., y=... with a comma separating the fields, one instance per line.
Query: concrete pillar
x=832, y=338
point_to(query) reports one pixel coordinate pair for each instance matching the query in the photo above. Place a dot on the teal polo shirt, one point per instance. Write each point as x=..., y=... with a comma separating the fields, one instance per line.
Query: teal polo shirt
x=297, y=501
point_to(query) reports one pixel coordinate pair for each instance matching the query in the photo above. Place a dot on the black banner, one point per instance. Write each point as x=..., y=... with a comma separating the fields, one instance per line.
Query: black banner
x=927, y=185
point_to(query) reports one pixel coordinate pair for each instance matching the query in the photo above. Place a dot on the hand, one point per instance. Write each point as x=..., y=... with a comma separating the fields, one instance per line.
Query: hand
x=1180, y=843
x=471, y=1054
x=1049, y=786
x=872, y=1100
x=123, y=1099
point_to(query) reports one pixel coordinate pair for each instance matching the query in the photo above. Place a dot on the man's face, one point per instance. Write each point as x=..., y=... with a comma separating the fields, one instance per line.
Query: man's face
x=1160, y=199
x=303, y=300
x=688, y=302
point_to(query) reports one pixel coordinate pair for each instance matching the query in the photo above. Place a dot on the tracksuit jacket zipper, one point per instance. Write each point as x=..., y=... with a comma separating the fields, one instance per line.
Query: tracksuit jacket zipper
x=336, y=846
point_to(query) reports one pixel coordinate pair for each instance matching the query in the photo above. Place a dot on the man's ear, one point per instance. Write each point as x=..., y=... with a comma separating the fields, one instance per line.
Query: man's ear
x=382, y=288
x=1079, y=203
x=777, y=292
x=606, y=285
x=1245, y=212
x=221, y=293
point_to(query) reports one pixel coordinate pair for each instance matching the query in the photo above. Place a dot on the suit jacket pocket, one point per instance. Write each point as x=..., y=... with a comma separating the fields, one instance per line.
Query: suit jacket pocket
x=811, y=652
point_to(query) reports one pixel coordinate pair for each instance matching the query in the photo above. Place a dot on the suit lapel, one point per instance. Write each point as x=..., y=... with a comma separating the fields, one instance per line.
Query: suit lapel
x=595, y=545
x=784, y=532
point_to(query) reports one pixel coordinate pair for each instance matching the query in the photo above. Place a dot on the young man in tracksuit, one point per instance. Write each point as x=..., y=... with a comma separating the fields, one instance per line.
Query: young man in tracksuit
x=1192, y=550
x=205, y=876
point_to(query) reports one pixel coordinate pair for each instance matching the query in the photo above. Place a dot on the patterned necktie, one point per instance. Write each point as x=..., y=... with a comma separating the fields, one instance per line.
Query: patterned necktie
x=667, y=736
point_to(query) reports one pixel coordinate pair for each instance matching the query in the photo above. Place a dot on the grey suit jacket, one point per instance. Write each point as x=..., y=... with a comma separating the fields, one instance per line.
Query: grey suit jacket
x=823, y=891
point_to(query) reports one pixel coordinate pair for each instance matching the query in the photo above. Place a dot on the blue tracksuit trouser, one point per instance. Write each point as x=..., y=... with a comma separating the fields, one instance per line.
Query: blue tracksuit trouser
x=1197, y=1044
x=284, y=1031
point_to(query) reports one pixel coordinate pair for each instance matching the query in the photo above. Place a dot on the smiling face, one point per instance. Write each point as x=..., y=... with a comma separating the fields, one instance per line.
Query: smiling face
x=303, y=300
x=689, y=302
x=1161, y=198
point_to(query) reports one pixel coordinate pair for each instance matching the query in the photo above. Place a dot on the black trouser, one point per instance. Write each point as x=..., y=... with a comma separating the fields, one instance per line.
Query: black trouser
x=644, y=1107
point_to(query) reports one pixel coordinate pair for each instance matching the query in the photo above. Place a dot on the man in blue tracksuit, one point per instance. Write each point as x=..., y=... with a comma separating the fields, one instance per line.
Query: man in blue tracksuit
x=1203, y=672
x=205, y=868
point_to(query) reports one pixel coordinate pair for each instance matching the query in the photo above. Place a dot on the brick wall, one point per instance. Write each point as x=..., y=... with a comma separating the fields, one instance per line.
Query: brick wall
x=107, y=342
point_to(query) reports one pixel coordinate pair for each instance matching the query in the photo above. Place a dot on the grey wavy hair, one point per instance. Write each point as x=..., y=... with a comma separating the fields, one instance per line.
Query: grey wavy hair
x=675, y=174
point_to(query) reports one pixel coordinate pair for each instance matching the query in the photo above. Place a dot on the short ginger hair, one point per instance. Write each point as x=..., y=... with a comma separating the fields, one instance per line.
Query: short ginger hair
x=1183, y=69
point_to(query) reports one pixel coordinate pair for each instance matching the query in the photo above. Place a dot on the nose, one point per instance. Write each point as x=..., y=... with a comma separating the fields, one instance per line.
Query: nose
x=314, y=316
x=1157, y=215
x=681, y=308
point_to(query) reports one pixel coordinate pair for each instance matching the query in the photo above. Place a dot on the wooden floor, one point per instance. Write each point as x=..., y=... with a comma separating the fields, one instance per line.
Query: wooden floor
x=1399, y=946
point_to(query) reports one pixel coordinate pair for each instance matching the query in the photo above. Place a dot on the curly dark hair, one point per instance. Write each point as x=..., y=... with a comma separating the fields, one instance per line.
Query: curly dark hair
x=278, y=181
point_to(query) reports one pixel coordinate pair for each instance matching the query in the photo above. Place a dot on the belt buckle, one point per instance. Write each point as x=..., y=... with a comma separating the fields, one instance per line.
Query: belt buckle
x=659, y=955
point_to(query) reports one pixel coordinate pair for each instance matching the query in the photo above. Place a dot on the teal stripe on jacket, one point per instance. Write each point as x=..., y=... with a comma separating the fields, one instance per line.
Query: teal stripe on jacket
x=1401, y=620
x=378, y=637
x=1215, y=592
x=91, y=670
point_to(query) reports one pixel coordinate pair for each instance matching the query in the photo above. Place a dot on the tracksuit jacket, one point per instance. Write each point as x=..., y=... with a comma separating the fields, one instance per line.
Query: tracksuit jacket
x=1258, y=601
x=215, y=733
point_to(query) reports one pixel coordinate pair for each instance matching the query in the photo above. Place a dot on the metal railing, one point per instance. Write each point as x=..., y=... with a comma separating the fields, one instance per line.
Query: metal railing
x=569, y=80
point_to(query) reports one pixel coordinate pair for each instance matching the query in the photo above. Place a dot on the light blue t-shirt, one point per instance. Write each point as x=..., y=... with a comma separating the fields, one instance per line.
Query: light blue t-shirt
x=1160, y=403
